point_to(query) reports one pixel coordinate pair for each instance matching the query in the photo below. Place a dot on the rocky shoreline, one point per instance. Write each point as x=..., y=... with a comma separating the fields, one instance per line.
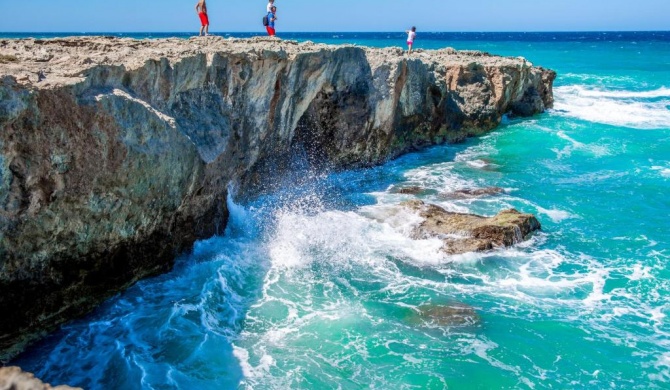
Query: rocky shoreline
x=117, y=154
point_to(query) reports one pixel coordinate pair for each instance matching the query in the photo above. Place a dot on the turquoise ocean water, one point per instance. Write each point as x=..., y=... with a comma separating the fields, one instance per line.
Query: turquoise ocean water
x=319, y=287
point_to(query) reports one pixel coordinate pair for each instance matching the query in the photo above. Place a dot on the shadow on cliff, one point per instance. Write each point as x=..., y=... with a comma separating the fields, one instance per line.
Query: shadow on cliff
x=173, y=330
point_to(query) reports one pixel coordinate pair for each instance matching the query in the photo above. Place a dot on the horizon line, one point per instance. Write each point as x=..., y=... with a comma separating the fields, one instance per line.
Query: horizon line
x=327, y=32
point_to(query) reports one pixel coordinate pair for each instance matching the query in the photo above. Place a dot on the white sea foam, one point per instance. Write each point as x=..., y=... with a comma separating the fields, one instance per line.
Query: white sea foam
x=345, y=236
x=663, y=367
x=599, y=79
x=584, y=91
x=664, y=171
x=248, y=370
x=439, y=177
x=640, y=272
x=595, y=149
x=555, y=215
x=479, y=164
x=639, y=110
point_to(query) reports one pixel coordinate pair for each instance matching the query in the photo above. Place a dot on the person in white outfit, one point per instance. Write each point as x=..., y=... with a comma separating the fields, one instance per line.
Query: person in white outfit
x=271, y=3
x=411, y=34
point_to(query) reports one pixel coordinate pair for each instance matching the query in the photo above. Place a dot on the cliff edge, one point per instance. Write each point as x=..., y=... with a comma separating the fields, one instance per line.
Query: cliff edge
x=117, y=154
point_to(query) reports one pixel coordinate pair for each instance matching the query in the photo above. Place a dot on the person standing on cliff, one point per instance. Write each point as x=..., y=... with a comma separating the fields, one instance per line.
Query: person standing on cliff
x=201, y=9
x=271, y=21
x=411, y=34
x=271, y=3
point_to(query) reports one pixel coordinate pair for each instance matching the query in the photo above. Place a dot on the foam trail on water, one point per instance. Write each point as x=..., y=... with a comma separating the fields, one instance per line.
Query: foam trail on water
x=664, y=171
x=597, y=93
x=639, y=110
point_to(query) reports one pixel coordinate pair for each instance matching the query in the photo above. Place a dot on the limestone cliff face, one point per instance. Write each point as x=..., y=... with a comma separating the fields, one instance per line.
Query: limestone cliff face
x=116, y=154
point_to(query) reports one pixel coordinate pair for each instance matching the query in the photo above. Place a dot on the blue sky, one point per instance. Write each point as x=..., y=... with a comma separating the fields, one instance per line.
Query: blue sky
x=341, y=15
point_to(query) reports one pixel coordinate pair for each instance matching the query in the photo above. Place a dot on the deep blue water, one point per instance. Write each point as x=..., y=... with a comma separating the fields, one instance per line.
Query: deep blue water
x=389, y=38
x=319, y=286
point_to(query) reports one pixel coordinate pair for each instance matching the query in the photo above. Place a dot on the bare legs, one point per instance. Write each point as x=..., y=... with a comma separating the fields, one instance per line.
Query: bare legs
x=204, y=29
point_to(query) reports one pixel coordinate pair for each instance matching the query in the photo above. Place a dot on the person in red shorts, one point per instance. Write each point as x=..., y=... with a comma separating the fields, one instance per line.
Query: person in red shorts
x=201, y=9
x=272, y=16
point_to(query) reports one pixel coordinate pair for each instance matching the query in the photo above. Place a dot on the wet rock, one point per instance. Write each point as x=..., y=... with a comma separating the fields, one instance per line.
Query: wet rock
x=13, y=378
x=473, y=193
x=412, y=190
x=464, y=233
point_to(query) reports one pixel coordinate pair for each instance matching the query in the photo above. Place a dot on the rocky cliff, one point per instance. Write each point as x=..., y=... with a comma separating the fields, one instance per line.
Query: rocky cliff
x=116, y=154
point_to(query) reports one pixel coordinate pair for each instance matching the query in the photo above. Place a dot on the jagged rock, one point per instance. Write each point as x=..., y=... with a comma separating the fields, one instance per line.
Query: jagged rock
x=42, y=56
x=5, y=59
x=13, y=378
x=464, y=233
x=121, y=157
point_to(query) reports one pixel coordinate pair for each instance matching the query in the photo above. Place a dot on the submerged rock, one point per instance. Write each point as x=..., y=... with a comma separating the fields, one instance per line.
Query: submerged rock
x=13, y=378
x=464, y=233
x=456, y=315
x=472, y=193
x=120, y=155
x=412, y=190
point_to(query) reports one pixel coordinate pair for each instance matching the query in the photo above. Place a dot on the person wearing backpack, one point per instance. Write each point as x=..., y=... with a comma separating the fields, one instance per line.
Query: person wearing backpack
x=271, y=17
x=268, y=10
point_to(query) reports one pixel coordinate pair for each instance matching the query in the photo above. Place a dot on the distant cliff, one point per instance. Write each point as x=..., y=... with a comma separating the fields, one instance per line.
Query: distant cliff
x=116, y=154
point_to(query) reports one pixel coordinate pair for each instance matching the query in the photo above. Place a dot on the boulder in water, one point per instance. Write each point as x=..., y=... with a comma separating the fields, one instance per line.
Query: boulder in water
x=464, y=233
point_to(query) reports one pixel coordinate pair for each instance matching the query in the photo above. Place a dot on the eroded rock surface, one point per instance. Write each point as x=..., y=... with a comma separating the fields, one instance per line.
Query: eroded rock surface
x=116, y=154
x=13, y=378
x=464, y=233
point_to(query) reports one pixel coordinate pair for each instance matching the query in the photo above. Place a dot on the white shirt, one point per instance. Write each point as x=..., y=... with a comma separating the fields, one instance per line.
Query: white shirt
x=269, y=7
x=410, y=36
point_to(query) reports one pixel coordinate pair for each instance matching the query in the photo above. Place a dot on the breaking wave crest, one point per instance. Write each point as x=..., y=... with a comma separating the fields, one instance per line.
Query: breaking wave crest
x=635, y=109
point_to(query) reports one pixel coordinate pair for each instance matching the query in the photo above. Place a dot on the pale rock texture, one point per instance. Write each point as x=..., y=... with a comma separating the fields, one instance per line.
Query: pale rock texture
x=117, y=154
x=13, y=378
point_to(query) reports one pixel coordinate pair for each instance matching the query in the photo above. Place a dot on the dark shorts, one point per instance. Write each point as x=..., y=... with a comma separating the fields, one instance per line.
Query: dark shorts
x=204, y=19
